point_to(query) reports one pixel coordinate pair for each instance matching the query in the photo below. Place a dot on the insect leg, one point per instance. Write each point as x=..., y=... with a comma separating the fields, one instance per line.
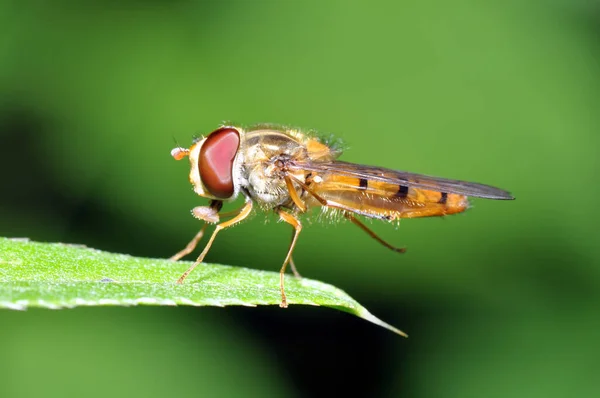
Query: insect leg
x=209, y=214
x=294, y=195
x=302, y=207
x=243, y=213
x=292, y=265
x=323, y=202
x=190, y=246
x=372, y=234
x=294, y=269
x=294, y=222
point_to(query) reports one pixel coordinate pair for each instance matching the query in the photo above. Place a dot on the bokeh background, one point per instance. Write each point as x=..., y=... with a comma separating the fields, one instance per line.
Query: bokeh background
x=500, y=301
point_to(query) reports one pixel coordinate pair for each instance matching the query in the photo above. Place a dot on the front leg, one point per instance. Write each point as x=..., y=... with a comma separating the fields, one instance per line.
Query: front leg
x=241, y=215
x=208, y=214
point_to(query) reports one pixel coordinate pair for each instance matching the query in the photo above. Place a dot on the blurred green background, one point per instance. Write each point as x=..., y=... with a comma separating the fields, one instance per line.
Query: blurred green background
x=500, y=301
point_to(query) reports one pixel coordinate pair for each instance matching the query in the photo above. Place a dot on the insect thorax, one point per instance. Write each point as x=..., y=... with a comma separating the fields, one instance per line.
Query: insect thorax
x=261, y=171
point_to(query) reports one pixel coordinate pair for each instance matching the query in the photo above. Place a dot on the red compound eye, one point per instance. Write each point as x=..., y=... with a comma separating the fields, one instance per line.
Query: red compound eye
x=216, y=161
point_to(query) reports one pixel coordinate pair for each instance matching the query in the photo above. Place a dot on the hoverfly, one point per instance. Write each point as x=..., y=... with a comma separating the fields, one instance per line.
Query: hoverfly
x=289, y=171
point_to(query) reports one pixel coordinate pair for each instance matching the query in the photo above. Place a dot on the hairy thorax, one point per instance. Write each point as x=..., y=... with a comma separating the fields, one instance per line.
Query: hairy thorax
x=266, y=152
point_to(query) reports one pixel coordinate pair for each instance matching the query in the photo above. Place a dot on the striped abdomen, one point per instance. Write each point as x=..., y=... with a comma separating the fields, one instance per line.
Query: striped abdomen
x=384, y=200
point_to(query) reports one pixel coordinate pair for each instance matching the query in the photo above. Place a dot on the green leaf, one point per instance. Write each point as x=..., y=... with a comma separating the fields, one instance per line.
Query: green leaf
x=55, y=275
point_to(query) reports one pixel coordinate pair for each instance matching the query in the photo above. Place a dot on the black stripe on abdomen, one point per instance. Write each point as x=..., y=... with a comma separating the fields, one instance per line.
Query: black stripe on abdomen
x=363, y=184
x=444, y=198
x=402, y=191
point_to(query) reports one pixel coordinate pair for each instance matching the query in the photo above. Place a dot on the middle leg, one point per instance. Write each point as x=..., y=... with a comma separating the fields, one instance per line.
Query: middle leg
x=294, y=222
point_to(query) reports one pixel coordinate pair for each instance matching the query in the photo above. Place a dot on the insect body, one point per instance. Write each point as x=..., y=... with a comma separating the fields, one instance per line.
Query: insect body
x=289, y=172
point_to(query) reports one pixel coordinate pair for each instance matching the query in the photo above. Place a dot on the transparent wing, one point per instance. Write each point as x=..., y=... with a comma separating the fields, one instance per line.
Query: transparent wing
x=401, y=178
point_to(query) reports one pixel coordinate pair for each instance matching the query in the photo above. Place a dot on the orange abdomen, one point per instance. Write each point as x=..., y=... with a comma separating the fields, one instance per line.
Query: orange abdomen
x=387, y=201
